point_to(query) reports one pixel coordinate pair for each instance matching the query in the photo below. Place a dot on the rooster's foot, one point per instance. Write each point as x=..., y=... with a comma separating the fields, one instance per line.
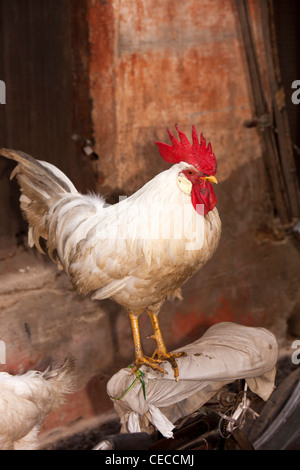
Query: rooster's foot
x=162, y=355
x=161, y=352
x=147, y=361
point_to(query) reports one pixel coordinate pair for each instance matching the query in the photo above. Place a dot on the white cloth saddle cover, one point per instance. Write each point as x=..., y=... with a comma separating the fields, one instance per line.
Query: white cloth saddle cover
x=225, y=353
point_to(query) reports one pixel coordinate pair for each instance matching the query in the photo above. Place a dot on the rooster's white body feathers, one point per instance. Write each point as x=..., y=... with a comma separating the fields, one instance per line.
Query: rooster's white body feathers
x=138, y=252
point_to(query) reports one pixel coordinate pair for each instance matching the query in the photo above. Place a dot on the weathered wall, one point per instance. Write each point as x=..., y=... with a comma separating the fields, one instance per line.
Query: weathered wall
x=153, y=64
x=164, y=63
x=172, y=62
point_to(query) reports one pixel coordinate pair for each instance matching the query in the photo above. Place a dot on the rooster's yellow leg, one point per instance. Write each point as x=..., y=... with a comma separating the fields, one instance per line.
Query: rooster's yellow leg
x=140, y=358
x=161, y=350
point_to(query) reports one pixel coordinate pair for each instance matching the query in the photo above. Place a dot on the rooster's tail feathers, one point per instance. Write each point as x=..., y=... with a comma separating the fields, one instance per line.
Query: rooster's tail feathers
x=41, y=185
x=41, y=172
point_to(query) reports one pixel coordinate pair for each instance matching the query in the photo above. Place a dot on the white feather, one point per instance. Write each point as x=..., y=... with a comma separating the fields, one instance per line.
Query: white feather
x=26, y=400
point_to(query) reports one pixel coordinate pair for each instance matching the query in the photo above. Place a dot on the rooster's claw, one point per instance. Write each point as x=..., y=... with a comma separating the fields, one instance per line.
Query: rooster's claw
x=147, y=361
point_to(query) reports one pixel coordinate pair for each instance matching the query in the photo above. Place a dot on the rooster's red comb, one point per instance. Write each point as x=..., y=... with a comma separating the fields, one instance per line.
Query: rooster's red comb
x=198, y=154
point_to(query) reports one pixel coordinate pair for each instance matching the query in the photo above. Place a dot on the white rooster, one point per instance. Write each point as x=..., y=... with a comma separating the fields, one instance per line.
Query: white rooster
x=27, y=399
x=138, y=252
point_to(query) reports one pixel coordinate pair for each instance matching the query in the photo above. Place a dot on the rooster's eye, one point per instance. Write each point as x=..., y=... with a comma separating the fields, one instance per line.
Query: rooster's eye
x=190, y=172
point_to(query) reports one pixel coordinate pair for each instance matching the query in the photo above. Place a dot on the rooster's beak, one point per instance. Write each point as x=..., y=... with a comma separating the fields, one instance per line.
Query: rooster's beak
x=211, y=178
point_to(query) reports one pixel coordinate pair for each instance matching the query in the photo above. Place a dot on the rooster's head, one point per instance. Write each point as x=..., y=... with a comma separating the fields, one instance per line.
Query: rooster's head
x=194, y=180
